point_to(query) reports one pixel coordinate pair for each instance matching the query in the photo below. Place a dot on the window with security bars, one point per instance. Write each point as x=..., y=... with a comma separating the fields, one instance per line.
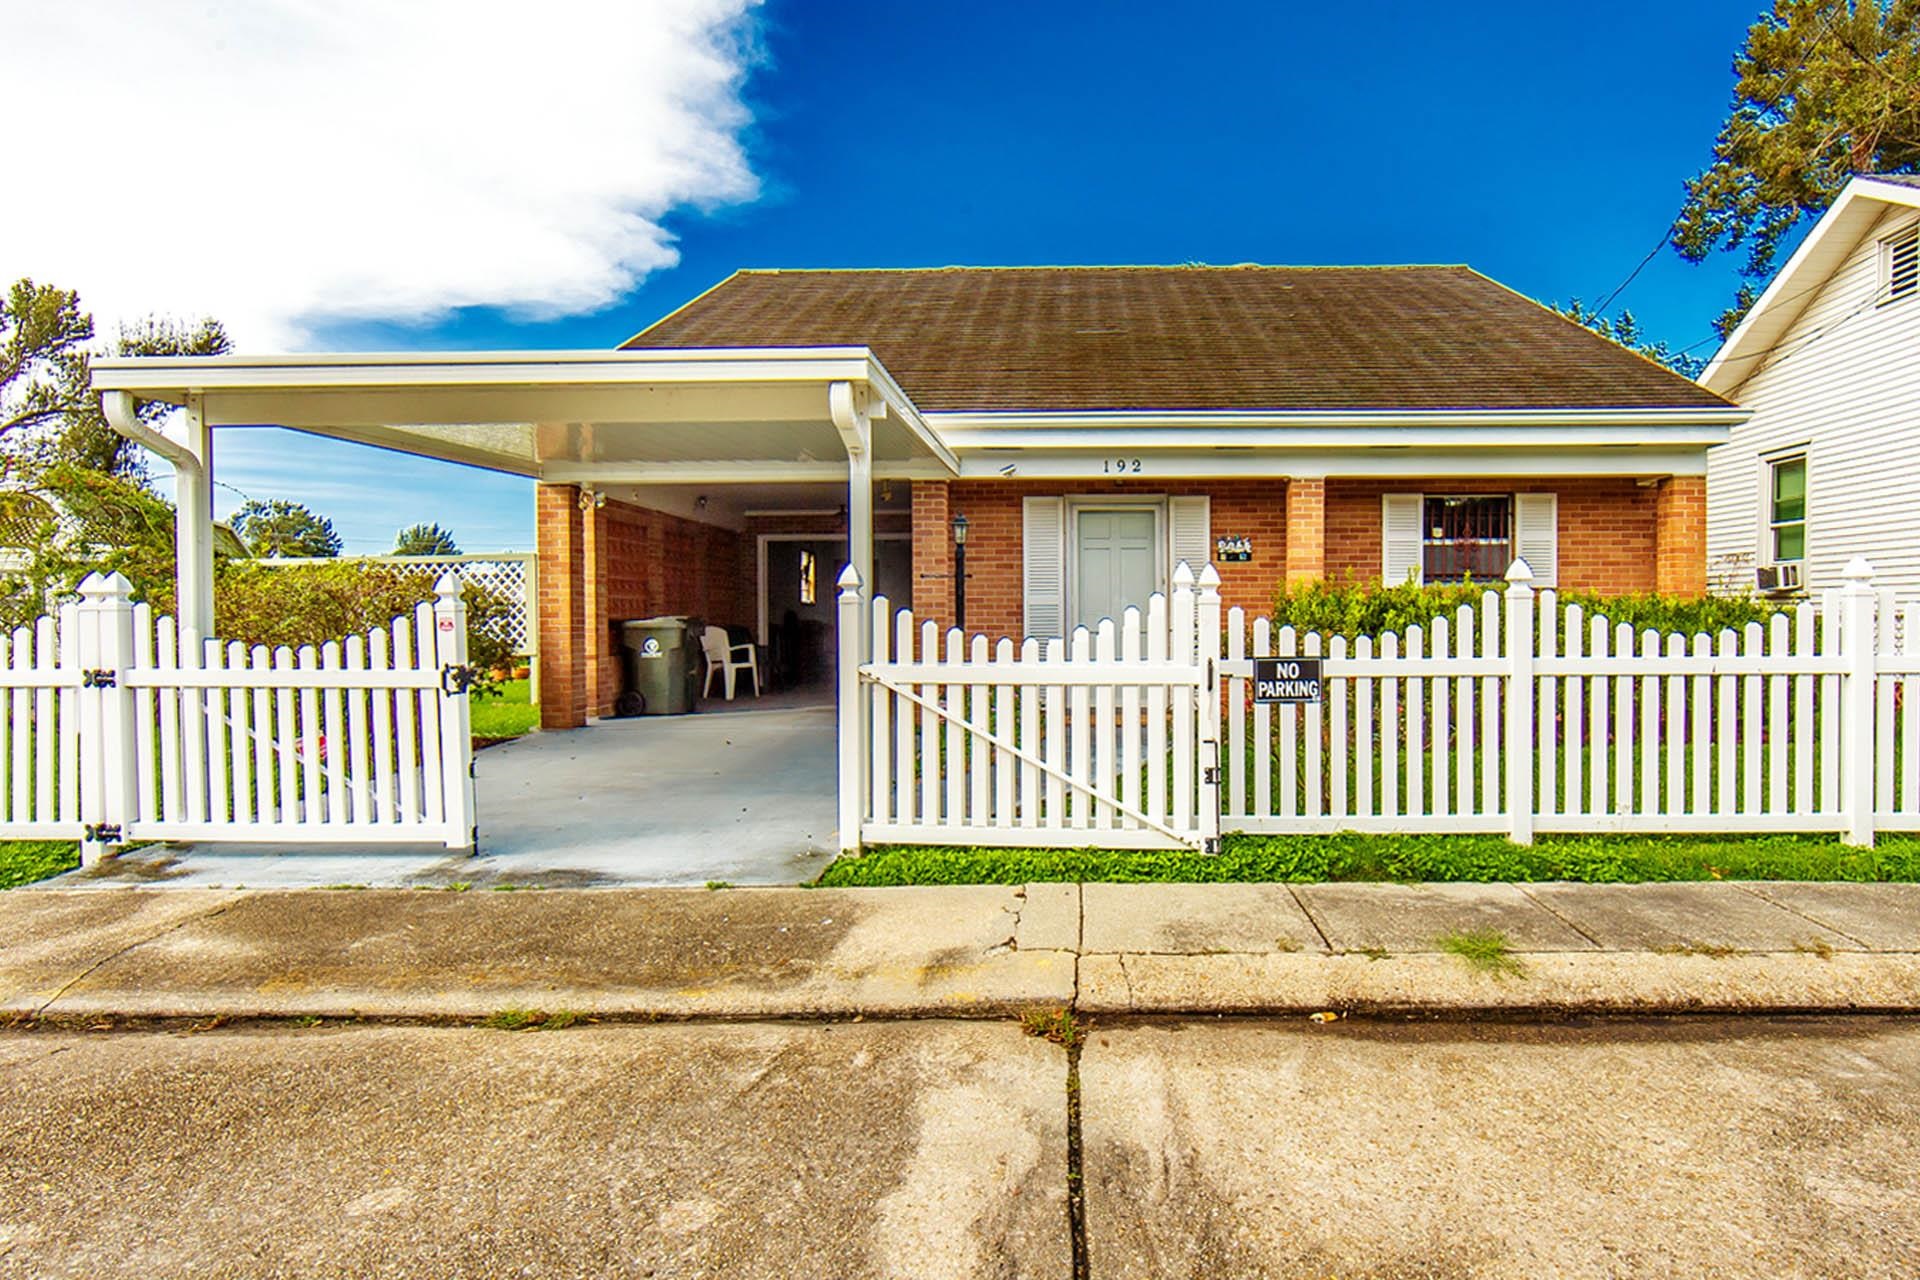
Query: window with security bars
x=1467, y=537
x=1902, y=259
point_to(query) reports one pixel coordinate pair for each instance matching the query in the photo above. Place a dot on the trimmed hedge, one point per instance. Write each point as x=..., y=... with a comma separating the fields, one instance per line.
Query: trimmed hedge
x=1370, y=608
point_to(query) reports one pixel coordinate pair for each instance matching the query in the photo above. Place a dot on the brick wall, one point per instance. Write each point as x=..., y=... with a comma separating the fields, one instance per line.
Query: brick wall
x=1607, y=526
x=601, y=567
x=1611, y=535
x=658, y=563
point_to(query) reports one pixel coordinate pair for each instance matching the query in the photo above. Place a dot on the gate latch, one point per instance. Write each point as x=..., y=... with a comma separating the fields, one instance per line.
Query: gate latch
x=98, y=678
x=102, y=833
x=1210, y=776
x=456, y=678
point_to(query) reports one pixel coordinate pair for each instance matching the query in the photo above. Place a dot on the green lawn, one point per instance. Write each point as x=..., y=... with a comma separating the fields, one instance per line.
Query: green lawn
x=507, y=716
x=24, y=861
x=1402, y=858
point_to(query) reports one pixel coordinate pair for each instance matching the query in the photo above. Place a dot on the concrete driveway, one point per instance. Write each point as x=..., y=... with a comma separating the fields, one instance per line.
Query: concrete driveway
x=741, y=793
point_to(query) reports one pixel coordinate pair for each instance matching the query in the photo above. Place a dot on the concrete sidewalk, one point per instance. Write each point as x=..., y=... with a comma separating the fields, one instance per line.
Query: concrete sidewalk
x=959, y=952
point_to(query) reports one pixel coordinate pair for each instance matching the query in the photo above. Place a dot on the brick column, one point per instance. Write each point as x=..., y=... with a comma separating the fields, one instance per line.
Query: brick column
x=1306, y=530
x=933, y=551
x=1680, y=536
x=560, y=536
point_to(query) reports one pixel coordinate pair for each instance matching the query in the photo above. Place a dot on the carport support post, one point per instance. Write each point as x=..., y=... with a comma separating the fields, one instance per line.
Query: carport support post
x=193, y=531
x=852, y=735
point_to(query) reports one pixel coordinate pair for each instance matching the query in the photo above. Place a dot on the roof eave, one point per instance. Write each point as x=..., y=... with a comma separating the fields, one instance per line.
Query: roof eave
x=1732, y=365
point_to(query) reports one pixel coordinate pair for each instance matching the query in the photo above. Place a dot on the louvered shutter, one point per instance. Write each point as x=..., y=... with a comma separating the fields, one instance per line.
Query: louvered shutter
x=1043, y=566
x=1189, y=533
x=1401, y=538
x=1536, y=535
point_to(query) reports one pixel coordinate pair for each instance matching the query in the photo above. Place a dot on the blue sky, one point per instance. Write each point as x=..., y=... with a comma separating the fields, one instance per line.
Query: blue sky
x=1543, y=144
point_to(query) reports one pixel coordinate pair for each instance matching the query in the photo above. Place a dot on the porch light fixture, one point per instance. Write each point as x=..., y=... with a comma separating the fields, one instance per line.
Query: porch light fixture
x=960, y=572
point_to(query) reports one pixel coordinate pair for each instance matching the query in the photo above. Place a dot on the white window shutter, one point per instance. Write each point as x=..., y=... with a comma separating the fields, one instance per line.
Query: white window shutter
x=1043, y=566
x=1189, y=533
x=1536, y=535
x=1402, y=538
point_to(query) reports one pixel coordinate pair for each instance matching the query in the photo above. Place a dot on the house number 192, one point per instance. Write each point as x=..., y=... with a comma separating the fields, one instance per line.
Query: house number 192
x=1120, y=466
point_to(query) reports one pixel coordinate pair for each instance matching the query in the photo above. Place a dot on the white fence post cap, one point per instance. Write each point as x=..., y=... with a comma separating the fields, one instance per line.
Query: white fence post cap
x=106, y=585
x=1520, y=573
x=849, y=581
x=448, y=586
x=1182, y=575
x=1209, y=578
x=1858, y=570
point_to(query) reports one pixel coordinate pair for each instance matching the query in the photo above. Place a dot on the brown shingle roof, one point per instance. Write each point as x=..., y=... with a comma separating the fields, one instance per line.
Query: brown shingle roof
x=1004, y=338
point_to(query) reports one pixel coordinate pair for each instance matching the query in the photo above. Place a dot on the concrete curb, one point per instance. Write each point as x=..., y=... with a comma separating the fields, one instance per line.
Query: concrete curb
x=1551, y=984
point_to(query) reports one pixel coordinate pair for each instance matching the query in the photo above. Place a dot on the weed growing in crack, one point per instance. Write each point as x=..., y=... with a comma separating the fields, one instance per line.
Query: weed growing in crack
x=1484, y=950
x=532, y=1020
x=1056, y=1026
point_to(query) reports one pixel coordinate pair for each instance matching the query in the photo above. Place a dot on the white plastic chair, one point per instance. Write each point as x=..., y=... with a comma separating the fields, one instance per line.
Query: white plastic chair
x=721, y=660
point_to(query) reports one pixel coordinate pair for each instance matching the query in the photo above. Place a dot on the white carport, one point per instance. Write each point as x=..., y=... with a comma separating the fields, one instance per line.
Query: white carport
x=717, y=416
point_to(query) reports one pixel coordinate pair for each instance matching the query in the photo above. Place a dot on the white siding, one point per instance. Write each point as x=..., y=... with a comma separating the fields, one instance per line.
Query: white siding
x=1844, y=383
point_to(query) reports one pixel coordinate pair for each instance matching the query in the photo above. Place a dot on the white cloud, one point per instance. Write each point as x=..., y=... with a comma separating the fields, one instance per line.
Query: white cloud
x=283, y=164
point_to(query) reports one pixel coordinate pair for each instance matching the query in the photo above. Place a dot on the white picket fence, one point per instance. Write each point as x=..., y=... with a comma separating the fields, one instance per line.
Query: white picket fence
x=120, y=726
x=1520, y=716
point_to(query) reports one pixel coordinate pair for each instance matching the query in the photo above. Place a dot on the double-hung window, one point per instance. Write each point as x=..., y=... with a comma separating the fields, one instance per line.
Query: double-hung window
x=1787, y=509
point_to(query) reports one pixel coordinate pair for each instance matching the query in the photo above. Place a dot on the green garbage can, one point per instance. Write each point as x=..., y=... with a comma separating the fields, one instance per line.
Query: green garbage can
x=664, y=662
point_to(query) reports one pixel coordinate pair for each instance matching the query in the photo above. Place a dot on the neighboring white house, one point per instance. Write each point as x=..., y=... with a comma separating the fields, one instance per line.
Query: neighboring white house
x=1828, y=360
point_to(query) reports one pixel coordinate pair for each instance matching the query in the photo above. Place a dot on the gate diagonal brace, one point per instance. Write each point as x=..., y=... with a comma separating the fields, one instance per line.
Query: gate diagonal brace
x=869, y=676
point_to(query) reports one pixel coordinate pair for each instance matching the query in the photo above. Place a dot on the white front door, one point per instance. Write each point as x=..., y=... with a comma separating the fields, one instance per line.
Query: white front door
x=1117, y=562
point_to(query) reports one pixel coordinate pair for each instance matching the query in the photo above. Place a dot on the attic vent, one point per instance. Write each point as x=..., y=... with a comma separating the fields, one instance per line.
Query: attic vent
x=1903, y=263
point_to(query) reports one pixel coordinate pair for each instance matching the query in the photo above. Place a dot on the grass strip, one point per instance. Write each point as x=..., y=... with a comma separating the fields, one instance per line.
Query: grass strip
x=1407, y=859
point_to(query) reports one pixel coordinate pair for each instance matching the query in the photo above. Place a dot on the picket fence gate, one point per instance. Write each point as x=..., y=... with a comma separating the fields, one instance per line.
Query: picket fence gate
x=120, y=726
x=1522, y=715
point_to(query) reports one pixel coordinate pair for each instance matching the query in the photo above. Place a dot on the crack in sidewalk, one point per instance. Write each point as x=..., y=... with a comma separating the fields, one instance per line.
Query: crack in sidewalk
x=137, y=943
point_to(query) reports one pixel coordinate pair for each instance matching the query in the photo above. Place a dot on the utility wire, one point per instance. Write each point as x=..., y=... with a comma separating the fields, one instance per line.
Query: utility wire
x=1772, y=102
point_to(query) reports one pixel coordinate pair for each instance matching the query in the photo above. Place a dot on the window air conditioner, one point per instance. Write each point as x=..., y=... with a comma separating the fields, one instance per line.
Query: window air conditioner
x=1777, y=579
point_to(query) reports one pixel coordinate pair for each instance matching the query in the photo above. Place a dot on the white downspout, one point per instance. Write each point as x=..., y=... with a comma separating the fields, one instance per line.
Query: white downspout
x=193, y=505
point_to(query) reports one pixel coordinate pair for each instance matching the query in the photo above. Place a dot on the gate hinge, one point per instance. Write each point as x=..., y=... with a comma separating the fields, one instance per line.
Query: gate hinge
x=1210, y=776
x=1210, y=845
x=99, y=678
x=102, y=833
x=456, y=678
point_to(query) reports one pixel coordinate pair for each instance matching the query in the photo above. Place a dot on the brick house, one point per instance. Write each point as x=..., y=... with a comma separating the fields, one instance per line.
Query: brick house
x=1095, y=426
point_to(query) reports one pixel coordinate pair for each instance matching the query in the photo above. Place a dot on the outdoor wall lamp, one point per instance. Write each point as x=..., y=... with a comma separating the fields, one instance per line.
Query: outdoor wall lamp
x=960, y=572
